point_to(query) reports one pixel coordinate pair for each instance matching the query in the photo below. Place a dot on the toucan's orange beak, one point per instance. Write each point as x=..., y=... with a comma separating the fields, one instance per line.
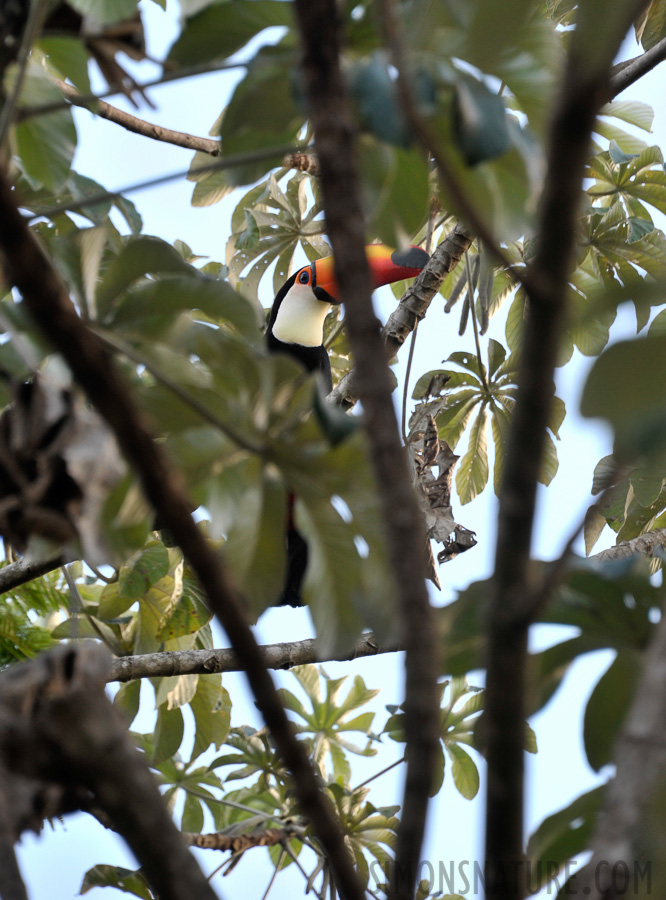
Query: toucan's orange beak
x=386, y=266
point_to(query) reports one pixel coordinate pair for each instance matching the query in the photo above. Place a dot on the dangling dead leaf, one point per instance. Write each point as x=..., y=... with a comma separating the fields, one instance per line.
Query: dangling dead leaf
x=426, y=452
x=58, y=462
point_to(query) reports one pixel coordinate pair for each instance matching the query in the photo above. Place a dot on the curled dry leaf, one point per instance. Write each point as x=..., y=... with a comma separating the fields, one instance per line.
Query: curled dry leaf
x=427, y=452
x=58, y=462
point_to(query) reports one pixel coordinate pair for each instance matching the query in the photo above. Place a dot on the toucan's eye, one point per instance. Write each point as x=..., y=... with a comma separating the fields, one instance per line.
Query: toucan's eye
x=304, y=277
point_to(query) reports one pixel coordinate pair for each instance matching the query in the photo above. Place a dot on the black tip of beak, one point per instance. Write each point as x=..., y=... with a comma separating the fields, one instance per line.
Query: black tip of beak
x=410, y=258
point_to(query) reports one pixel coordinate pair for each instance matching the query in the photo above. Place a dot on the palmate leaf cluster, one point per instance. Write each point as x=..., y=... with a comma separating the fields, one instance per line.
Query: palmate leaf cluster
x=240, y=425
x=247, y=787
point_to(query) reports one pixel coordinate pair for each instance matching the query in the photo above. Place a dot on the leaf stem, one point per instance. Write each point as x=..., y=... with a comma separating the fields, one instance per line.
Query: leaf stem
x=475, y=328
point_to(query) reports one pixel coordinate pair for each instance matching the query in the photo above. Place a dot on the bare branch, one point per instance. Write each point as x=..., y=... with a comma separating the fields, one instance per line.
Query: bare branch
x=139, y=126
x=228, y=162
x=47, y=301
x=238, y=843
x=624, y=825
x=628, y=72
x=305, y=162
x=206, y=662
x=57, y=724
x=166, y=77
x=413, y=305
x=583, y=91
x=12, y=886
x=22, y=571
x=334, y=130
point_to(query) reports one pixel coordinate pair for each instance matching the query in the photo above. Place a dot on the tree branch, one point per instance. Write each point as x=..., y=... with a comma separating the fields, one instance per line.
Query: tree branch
x=46, y=299
x=334, y=130
x=583, y=91
x=238, y=843
x=627, y=73
x=412, y=307
x=139, y=126
x=624, y=825
x=22, y=571
x=206, y=662
x=57, y=724
x=12, y=886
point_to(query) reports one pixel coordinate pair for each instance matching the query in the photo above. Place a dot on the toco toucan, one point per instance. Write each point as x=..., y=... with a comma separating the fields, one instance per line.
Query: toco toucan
x=296, y=327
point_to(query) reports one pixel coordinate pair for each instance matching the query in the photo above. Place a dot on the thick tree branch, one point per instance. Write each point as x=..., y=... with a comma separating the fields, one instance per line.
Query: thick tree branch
x=206, y=662
x=46, y=299
x=12, y=886
x=413, y=305
x=627, y=73
x=140, y=126
x=333, y=124
x=57, y=724
x=583, y=91
x=624, y=827
x=238, y=843
x=22, y=571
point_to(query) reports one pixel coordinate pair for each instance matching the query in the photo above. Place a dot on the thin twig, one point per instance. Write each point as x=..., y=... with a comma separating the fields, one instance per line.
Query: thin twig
x=412, y=343
x=166, y=78
x=275, y=871
x=78, y=606
x=379, y=774
x=227, y=162
x=475, y=328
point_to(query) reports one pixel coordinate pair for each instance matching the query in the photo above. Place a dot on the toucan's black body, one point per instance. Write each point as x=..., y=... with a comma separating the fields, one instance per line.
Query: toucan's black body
x=296, y=327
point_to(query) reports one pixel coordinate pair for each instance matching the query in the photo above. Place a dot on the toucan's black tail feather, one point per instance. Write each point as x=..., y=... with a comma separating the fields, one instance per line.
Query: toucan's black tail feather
x=297, y=560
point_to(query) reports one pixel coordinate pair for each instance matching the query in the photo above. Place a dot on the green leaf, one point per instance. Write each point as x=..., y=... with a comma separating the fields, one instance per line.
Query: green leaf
x=140, y=256
x=472, y=473
x=608, y=706
x=632, y=111
x=116, y=876
x=193, y=817
x=464, y=771
x=627, y=386
x=480, y=122
x=156, y=303
x=127, y=699
x=143, y=570
x=69, y=57
x=44, y=145
x=262, y=111
x=248, y=504
x=563, y=835
x=223, y=28
x=168, y=734
x=212, y=714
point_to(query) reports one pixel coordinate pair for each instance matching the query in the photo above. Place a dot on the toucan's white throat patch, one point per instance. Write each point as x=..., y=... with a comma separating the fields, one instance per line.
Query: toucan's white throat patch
x=300, y=318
